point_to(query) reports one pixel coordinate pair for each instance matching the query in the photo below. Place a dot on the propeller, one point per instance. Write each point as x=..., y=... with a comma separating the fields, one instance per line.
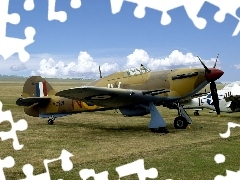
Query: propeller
x=211, y=75
x=215, y=62
x=100, y=72
x=214, y=94
x=205, y=67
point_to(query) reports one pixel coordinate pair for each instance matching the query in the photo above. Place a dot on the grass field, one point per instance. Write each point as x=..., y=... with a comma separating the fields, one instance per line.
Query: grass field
x=106, y=140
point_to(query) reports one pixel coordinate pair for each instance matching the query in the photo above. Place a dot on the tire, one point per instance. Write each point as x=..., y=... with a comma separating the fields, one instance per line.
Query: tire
x=50, y=122
x=196, y=113
x=180, y=123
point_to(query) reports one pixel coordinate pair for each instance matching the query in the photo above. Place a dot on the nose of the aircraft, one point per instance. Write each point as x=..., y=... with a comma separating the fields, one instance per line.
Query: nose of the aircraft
x=214, y=74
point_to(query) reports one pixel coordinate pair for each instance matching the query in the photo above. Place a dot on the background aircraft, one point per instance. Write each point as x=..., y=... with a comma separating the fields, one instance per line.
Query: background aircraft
x=234, y=98
x=39, y=100
x=138, y=90
x=226, y=104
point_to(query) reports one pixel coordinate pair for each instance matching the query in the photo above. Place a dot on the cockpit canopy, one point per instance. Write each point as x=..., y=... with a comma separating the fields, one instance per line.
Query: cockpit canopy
x=135, y=71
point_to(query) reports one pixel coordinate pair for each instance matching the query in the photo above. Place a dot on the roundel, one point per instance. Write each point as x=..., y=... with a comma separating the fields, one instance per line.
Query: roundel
x=209, y=99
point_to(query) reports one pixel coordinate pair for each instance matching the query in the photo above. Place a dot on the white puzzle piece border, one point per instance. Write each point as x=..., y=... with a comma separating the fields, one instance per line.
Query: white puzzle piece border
x=192, y=9
x=20, y=125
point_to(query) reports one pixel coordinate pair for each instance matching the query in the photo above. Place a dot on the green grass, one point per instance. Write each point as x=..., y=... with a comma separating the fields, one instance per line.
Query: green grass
x=106, y=140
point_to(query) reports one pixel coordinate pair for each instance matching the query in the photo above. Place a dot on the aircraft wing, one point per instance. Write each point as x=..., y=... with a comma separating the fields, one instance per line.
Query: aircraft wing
x=32, y=100
x=112, y=97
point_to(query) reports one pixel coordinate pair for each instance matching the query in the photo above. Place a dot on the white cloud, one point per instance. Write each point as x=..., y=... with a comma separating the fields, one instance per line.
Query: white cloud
x=175, y=60
x=87, y=67
x=137, y=58
x=19, y=67
x=84, y=67
x=237, y=66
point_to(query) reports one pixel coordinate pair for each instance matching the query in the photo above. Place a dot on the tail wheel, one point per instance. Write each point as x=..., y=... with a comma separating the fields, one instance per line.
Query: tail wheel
x=180, y=123
x=196, y=113
x=50, y=122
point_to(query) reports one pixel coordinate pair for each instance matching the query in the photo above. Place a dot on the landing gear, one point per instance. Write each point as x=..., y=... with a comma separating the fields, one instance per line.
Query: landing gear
x=183, y=119
x=51, y=120
x=157, y=123
x=180, y=123
x=196, y=113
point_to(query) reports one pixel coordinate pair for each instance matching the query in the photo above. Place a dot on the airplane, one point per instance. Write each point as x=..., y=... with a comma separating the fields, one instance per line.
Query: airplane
x=234, y=98
x=139, y=90
x=206, y=101
x=39, y=100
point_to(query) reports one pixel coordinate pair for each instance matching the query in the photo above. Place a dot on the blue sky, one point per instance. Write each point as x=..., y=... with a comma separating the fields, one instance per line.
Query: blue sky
x=92, y=35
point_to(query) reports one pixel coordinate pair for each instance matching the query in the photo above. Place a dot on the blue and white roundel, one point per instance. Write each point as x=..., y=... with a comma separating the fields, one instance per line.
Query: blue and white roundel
x=209, y=99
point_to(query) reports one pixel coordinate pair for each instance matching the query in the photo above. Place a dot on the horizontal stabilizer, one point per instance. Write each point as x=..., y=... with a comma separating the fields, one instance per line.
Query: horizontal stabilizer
x=32, y=100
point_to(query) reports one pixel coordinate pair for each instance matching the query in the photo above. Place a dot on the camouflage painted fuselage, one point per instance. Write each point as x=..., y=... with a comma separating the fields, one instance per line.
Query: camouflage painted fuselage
x=180, y=82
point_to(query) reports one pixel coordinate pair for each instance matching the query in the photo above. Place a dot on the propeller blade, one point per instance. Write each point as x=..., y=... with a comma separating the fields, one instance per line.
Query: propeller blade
x=214, y=94
x=215, y=62
x=100, y=72
x=205, y=67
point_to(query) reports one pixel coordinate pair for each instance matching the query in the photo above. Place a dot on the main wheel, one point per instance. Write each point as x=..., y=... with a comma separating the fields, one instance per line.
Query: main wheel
x=50, y=121
x=180, y=123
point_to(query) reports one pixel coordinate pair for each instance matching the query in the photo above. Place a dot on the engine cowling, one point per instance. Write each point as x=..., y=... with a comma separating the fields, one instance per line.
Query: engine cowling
x=134, y=111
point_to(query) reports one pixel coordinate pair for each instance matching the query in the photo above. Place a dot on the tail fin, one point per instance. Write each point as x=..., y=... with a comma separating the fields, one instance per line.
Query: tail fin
x=36, y=86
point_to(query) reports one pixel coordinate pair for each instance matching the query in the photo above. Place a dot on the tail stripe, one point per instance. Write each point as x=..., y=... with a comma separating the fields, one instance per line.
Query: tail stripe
x=37, y=90
x=45, y=88
x=41, y=89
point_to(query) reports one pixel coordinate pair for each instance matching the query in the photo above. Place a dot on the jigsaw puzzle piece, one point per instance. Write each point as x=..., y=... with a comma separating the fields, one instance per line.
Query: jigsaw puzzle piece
x=65, y=156
x=8, y=162
x=87, y=173
x=162, y=6
x=21, y=125
x=28, y=171
x=137, y=167
x=227, y=7
x=60, y=15
x=29, y=5
x=13, y=45
x=230, y=175
x=192, y=9
x=10, y=45
x=227, y=133
x=75, y=4
x=116, y=6
x=67, y=165
x=13, y=18
x=55, y=15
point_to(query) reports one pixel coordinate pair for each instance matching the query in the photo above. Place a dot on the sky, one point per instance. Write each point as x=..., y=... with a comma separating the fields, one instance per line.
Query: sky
x=92, y=35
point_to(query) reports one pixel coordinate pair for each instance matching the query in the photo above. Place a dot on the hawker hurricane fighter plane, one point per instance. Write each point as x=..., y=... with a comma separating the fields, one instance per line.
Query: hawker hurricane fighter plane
x=137, y=91
x=39, y=100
